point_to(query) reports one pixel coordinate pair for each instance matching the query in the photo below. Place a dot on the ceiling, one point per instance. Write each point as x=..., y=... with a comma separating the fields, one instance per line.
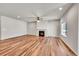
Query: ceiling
x=29, y=11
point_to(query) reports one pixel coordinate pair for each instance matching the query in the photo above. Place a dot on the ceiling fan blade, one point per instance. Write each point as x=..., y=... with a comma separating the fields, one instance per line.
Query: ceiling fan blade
x=52, y=19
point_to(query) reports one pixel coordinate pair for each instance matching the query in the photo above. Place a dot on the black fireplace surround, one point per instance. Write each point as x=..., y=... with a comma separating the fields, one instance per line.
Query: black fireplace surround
x=41, y=33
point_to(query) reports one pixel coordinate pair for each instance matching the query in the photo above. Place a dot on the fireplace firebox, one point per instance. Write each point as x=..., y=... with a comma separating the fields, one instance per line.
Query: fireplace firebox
x=41, y=33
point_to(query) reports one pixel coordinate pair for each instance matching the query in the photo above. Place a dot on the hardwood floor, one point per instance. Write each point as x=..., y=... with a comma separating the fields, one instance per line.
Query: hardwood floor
x=29, y=45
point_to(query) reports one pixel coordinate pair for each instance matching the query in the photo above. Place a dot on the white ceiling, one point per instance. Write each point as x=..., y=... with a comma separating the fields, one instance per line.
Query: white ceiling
x=28, y=11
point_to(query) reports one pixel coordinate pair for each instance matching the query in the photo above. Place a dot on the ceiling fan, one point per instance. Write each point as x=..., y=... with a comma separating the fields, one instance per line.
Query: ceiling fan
x=38, y=19
x=34, y=19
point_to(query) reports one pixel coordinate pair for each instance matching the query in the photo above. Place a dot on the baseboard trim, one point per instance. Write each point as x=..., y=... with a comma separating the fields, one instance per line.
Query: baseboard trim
x=68, y=46
x=13, y=37
x=18, y=36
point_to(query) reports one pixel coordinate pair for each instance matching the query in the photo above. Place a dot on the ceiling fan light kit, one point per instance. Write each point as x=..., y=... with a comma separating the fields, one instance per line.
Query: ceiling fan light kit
x=38, y=20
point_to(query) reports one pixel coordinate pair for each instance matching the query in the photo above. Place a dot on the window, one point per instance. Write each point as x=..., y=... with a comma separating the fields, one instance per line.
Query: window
x=63, y=28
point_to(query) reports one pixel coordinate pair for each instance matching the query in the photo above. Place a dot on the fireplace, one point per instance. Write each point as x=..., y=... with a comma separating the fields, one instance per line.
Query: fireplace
x=41, y=33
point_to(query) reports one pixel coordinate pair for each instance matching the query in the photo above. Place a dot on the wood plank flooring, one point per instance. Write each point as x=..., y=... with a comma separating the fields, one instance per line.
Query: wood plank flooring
x=29, y=45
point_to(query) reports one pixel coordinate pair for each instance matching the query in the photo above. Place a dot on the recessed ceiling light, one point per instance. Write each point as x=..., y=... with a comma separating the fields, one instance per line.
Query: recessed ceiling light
x=60, y=9
x=18, y=16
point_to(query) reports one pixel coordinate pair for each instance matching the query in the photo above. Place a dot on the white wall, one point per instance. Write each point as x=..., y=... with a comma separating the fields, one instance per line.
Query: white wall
x=12, y=28
x=51, y=28
x=31, y=28
x=71, y=17
x=0, y=27
x=78, y=29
